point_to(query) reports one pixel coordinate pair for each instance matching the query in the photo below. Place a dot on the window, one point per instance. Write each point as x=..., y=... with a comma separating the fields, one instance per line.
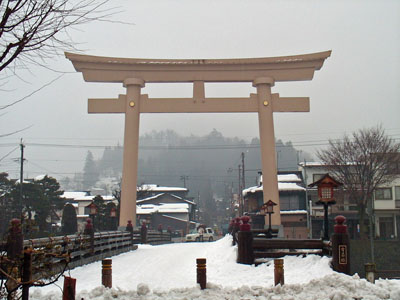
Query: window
x=386, y=228
x=397, y=192
x=383, y=194
x=317, y=177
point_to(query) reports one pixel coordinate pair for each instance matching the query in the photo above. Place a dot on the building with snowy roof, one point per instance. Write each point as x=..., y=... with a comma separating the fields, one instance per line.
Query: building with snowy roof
x=148, y=190
x=166, y=209
x=81, y=200
x=292, y=198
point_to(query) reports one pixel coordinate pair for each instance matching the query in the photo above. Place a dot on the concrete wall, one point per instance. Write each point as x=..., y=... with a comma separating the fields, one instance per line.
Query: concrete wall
x=386, y=256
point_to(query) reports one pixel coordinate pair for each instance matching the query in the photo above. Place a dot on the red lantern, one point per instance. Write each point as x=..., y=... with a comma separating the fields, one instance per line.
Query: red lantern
x=268, y=207
x=113, y=212
x=325, y=188
x=92, y=209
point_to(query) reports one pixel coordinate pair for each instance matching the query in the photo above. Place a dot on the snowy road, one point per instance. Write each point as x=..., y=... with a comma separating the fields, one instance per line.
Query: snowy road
x=153, y=272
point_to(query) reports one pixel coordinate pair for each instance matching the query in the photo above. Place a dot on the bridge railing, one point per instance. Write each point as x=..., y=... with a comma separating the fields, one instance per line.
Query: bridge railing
x=276, y=248
x=255, y=249
x=55, y=253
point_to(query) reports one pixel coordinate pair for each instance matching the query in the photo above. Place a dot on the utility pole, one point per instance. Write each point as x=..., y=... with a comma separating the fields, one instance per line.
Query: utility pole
x=243, y=183
x=240, y=190
x=21, y=180
x=243, y=170
x=184, y=178
x=308, y=203
x=198, y=206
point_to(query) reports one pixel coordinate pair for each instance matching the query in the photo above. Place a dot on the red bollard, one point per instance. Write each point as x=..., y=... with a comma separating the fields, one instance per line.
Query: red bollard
x=340, y=246
x=245, y=243
x=201, y=272
x=69, y=288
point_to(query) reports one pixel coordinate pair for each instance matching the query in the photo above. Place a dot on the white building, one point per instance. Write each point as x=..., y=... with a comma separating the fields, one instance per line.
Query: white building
x=386, y=203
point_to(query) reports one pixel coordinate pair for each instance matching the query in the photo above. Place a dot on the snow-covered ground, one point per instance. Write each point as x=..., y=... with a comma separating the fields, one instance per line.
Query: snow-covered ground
x=169, y=272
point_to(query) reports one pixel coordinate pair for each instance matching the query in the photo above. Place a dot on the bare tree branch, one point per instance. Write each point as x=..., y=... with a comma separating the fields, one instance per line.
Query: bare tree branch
x=32, y=30
x=362, y=163
x=30, y=94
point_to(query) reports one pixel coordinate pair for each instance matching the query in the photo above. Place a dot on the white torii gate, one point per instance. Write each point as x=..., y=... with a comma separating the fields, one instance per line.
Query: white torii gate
x=134, y=73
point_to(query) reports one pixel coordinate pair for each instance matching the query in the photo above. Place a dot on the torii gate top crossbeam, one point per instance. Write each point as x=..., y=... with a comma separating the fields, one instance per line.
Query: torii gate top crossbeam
x=283, y=68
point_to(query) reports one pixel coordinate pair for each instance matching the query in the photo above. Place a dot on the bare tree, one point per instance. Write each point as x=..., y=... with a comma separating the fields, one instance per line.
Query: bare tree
x=32, y=31
x=362, y=162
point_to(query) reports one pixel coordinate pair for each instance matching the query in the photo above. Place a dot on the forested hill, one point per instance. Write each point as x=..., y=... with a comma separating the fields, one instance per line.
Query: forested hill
x=166, y=158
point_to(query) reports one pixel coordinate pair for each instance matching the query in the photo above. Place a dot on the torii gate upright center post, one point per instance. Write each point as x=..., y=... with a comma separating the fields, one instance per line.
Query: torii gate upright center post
x=134, y=73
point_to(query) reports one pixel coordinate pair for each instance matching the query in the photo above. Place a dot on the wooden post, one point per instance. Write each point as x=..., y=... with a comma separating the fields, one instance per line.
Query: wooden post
x=69, y=288
x=26, y=273
x=245, y=248
x=340, y=247
x=279, y=272
x=129, y=228
x=89, y=230
x=106, y=272
x=15, y=240
x=201, y=272
x=245, y=243
x=370, y=269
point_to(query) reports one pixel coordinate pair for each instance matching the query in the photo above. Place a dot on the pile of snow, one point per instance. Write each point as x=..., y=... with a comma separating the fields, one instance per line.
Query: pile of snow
x=169, y=272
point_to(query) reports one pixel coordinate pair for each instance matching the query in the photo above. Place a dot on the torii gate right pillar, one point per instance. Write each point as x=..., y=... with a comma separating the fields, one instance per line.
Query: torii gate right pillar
x=267, y=143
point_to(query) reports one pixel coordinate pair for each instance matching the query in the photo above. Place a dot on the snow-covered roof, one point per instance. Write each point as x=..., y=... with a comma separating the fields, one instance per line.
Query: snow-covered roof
x=288, y=178
x=285, y=178
x=290, y=186
x=293, y=212
x=156, y=188
x=83, y=196
x=82, y=216
x=74, y=195
x=312, y=164
x=179, y=219
x=159, y=195
x=282, y=186
x=146, y=209
x=40, y=177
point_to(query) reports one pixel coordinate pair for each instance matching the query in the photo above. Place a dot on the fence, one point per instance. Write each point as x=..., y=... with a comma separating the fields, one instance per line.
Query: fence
x=256, y=249
x=276, y=248
x=84, y=249
x=42, y=260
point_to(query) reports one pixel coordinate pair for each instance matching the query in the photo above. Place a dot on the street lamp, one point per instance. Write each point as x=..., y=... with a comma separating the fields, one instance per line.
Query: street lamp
x=113, y=215
x=92, y=211
x=268, y=208
x=325, y=187
x=113, y=212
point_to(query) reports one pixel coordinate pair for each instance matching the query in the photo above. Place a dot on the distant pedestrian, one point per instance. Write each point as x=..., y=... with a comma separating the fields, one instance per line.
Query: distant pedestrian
x=230, y=227
x=160, y=229
x=200, y=230
x=143, y=233
x=235, y=231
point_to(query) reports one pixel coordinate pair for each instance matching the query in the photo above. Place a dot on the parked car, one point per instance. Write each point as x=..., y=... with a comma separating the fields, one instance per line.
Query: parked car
x=194, y=236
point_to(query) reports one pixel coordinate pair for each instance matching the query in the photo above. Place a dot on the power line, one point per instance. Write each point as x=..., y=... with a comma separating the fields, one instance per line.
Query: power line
x=9, y=153
x=191, y=147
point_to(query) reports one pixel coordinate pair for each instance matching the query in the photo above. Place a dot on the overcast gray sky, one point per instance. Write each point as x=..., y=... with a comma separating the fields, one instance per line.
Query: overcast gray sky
x=357, y=87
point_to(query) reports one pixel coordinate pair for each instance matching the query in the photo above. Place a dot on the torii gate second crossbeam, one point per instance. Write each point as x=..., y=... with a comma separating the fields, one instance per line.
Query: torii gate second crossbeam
x=134, y=73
